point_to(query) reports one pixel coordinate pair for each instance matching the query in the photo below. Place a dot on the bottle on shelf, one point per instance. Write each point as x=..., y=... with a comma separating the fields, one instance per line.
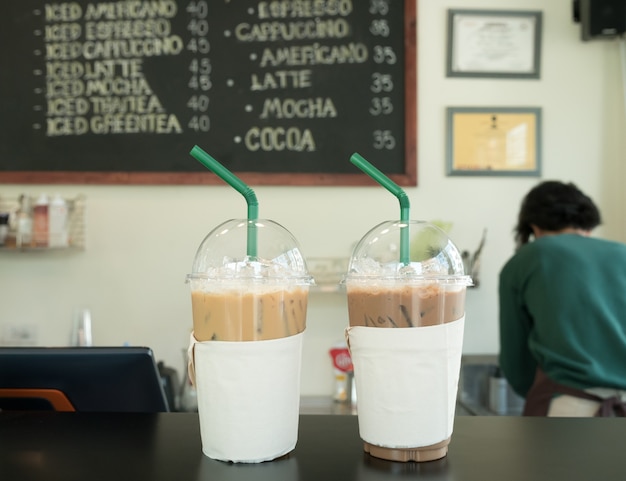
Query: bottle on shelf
x=57, y=222
x=24, y=223
x=41, y=221
x=4, y=227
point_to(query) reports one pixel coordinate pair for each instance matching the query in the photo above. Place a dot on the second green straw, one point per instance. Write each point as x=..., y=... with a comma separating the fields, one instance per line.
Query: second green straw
x=396, y=190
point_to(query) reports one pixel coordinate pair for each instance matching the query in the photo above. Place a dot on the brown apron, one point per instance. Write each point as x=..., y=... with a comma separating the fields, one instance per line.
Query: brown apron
x=545, y=389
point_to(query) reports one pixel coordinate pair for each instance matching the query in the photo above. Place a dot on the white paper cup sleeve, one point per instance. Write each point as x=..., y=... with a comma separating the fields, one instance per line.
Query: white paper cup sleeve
x=406, y=382
x=248, y=397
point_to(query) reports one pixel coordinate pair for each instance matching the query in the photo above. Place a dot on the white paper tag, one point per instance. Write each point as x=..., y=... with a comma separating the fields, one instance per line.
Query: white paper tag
x=248, y=397
x=406, y=382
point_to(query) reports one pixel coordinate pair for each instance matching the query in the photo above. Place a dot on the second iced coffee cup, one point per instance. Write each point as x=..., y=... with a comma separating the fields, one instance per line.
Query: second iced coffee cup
x=406, y=304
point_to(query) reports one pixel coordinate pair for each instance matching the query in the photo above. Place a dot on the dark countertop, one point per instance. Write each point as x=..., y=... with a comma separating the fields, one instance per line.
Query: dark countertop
x=326, y=405
x=166, y=447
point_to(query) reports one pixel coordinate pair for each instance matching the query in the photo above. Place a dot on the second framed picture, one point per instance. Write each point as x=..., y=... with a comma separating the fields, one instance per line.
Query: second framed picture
x=489, y=141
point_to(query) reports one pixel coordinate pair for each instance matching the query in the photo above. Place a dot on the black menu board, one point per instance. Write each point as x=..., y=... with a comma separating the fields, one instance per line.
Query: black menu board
x=279, y=91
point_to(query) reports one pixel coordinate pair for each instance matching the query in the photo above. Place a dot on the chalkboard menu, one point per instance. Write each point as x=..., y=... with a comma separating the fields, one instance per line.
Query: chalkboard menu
x=279, y=91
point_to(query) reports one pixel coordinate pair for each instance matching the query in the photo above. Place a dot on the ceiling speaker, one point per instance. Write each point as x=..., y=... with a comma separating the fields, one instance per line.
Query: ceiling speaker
x=600, y=19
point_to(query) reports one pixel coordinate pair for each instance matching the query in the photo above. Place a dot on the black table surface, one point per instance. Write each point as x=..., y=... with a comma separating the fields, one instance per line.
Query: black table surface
x=124, y=447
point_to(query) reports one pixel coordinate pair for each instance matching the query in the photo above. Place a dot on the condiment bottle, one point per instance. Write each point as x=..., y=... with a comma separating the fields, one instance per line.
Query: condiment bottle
x=343, y=371
x=4, y=227
x=57, y=222
x=24, y=222
x=40, y=221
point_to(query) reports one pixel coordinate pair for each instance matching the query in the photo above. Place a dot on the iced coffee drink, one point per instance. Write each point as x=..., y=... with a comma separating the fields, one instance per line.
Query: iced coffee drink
x=254, y=314
x=405, y=305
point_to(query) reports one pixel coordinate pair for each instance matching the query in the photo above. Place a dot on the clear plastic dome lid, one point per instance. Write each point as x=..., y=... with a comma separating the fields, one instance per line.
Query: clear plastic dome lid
x=226, y=254
x=432, y=256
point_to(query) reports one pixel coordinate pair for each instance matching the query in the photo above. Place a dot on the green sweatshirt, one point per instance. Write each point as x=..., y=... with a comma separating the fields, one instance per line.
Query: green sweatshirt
x=563, y=309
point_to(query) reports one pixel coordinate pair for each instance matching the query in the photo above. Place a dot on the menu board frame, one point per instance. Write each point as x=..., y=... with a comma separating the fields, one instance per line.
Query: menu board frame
x=407, y=178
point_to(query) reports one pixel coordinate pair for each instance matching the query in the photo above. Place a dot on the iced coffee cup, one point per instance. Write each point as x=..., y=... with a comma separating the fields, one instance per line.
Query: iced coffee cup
x=249, y=291
x=406, y=316
x=249, y=314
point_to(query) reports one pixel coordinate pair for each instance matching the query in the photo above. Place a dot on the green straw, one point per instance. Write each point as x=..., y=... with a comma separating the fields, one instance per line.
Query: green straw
x=240, y=186
x=396, y=190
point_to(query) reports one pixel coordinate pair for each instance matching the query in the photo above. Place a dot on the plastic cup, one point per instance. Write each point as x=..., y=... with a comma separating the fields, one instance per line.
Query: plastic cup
x=405, y=338
x=249, y=314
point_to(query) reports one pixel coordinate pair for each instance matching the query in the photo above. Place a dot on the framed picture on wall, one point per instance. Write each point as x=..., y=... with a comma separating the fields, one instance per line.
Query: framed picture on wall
x=493, y=141
x=494, y=43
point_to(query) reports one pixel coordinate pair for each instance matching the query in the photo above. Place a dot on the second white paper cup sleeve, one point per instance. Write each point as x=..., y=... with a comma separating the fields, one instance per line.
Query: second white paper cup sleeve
x=406, y=382
x=248, y=397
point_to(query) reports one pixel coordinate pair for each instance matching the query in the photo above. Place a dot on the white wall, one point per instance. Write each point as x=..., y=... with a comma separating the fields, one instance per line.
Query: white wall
x=141, y=239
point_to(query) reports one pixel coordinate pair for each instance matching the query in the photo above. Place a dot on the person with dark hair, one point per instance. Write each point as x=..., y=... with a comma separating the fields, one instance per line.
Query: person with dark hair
x=562, y=299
